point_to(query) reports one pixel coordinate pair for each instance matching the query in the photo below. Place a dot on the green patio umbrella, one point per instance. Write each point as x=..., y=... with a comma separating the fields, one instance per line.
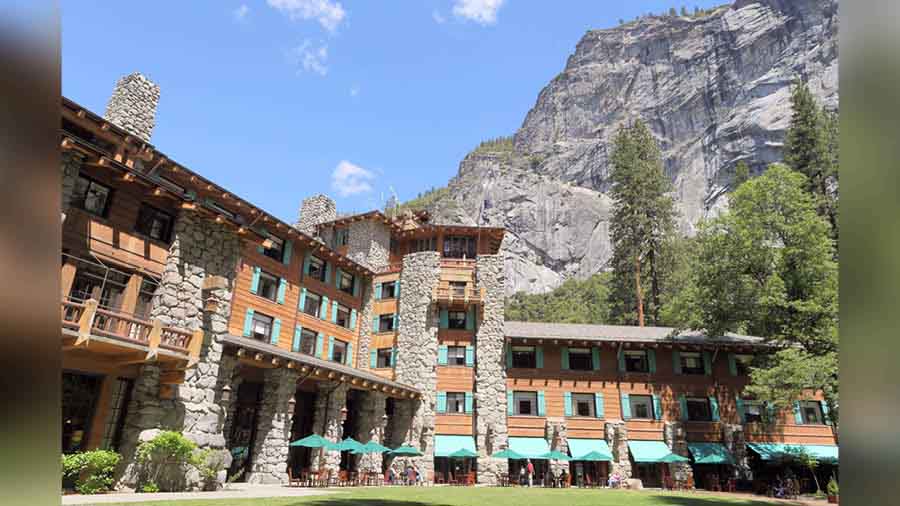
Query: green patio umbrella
x=594, y=457
x=673, y=458
x=350, y=444
x=462, y=453
x=315, y=441
x=371, y=447
x=555, y=455
x=409, y=451
x=508, y=454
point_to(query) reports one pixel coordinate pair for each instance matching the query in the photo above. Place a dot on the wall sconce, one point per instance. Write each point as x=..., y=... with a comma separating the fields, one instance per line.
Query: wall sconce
x=344, y=414
x=226, y=393
x=291, y=404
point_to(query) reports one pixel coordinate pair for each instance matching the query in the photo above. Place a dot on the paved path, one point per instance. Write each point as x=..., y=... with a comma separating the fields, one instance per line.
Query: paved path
x=235, y=491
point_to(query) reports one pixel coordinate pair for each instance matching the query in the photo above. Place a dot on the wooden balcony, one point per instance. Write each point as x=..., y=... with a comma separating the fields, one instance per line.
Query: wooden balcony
x=445, y=292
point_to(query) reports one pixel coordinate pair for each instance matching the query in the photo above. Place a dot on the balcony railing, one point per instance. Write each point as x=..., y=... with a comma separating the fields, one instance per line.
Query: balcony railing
x=445, y=292
x=458, y=263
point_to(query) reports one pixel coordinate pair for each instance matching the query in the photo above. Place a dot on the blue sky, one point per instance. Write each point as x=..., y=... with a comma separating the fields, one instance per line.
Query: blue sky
x=279, y=99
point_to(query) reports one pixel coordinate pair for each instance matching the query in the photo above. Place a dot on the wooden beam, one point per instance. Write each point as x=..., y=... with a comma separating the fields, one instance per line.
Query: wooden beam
x=195, y=346
x=155, y=337
x=86, y=322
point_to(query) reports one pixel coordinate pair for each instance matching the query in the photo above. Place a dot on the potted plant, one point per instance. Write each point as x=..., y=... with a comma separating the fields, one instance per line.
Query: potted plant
x=833, y=491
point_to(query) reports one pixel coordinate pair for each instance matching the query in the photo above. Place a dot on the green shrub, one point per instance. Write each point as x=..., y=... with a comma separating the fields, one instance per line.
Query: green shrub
x=832, y=487
x=208, y=464
x=149, y=488
x=166, y=449
x=90, y=472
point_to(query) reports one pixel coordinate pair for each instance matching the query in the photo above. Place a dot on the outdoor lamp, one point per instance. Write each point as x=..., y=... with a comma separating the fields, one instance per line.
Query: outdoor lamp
x=291, y=403
x=226, y=393
x=344, y=414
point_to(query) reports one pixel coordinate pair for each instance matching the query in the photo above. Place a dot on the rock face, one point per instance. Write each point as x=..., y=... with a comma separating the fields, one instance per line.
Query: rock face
x=714, y=90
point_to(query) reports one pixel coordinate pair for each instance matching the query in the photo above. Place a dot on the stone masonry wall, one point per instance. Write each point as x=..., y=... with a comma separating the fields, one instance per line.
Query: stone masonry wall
x=313, y=211
x=368, y=244
x=132, y=105
x=557, y=433
x=675, y=436
x=733, y=437
x=145, y=413
x=490, y=370
x=330, y=399
x=365, y=323
x=273, y=428
x=371, y=425
x=417, y=348
x=617, y=439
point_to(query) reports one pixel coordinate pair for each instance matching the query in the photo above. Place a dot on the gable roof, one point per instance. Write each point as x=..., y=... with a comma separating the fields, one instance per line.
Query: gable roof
x=592, y=332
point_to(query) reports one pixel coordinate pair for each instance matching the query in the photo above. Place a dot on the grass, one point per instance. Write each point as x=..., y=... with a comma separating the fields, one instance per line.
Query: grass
x=462, y=496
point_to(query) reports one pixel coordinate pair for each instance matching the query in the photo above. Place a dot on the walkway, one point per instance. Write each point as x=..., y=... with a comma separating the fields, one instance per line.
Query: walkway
x=235, y=491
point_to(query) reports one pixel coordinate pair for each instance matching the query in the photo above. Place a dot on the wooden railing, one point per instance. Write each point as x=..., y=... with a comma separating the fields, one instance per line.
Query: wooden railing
x=458, y=263
x=448, y=293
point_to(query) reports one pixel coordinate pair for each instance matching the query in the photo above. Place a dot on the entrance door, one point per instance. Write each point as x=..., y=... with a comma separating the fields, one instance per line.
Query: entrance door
x=79, y=400
x=243, y=430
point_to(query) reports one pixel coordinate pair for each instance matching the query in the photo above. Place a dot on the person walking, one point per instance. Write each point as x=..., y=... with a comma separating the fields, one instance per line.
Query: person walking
x=530, y=473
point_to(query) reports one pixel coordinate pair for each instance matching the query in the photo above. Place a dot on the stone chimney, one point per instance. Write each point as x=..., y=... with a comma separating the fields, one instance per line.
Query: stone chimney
x=313, y=211
x=132, y=105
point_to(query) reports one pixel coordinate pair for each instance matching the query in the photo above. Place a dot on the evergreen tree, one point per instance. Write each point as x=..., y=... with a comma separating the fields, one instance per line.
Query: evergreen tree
x=641, y=227
x=741, y=174
x=684, y=11
x=672, y=12
x=572, y=302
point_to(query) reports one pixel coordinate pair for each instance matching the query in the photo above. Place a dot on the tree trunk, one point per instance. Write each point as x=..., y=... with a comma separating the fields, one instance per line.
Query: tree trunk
x=637, y=290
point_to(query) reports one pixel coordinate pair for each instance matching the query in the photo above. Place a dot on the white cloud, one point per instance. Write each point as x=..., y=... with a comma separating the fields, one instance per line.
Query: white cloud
x=329, y=14
x=349, y=179
x=480, y=11
x=354, y=90
x=240, y=14
x=436, y=16
x=310, y=58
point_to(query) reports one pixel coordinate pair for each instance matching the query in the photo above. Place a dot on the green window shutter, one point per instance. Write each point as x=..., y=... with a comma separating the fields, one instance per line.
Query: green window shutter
x=598, y=405
x=396, y=322
x=330, y=347
x=539, y=357
x=542, y=408
x=651, y=360
x=567, y=403
x=378, y=291
x=288, y=249
x=626, y=407
x=682, y=404
x=349, y=358
x=298, y=335
x=276, y=331
x=798, y=415
x=732, y=364
x=509, y=362
x=657, y=407
x=676, y=361
x=595, y=358
x=356, y=286
x=306, y=259
x=337, y=278
x=770, y=413
x=714, y=408
x=254, y=281
x=302, y=299
x=510, y=407
x=323, y=310
x=825, y=417
x=248, y=323
x=260, y=249
x=334, y=310
x=442, y=355
x=373, y=359
x=470, y=318
x=470, y=356
x=621, y=357
x=393, y=357
x=327, y=272
x=739, y=404
x=707, y=363
x=282, y=288
x=353, y=320
x=397, y=289
x=445, y=318
x=565, y=358
x=442, y=402
x=375, y=320
x=468, y=402
x=319, y=340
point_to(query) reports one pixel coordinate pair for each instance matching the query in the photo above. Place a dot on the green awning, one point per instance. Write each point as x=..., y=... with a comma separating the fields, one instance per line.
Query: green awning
x=445, y=445
x=779, y=451
x=581, y=447
x=529, y=447
x=648, y=451
x=710, y=453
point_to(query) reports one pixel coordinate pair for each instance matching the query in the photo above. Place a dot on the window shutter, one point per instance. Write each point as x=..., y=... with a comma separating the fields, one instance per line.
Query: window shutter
x=567, y=403
x=248, y=323
x=298, y=336
x=651, y=360
x=323, y=311
x=348, y=360
x=657, y=408
x=396, y=322
x=319, y=340
x=470, y=356
x=393, y=357
x=327, y=272
x=510, y=406
x=682, y=403
x=375, y=328
x=770, y=413
x=621, y=356
x=373, y=359
x=260, y=249
x=542, y=408
x=707, y=363
x=714, y=408
x=353, y=320
x=282, y=288
x=676, y=361
x=598, y=405
x=445, y=318
x=442, y=355
x=356, y=286
x=378, y=292
x=330, y=347
x=468, y=402
x=798, y=415
x=626, y=407
x=288, y=249
x=732, y=364
x=276, y=331
x=539, y=357
x=306, y=259
x=739, y=404
x=565, y=358
x=337, y=278
x=509, y=362
x=302, y=299
x=470, y=318
x=397, y=289
x=825, y=417
x=334, y=310
x=442, y=402
x=595, y=358
x=254, y=281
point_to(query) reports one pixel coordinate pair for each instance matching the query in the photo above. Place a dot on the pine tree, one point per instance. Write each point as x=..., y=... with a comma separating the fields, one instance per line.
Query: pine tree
x=741, y=174
x=672, y=12
x=684, y=11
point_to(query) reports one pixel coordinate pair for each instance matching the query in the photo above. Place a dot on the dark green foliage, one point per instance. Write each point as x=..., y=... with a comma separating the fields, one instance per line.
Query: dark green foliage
x=672, y=12
x=423, y=200
x=498, y=144
x=572, y=302
x=741, y=174
x=163, y=458
x=90, y=472
x=684, y=11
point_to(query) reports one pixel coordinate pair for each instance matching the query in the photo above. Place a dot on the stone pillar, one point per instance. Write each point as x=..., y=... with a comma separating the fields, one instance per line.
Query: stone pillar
x=733, y=437
x=399, y=426
x=371, y=428
x=556, y=431
x=313, y=211
x=143, y=418
x=132, y=105
x=70, y=167
x=368, y=244
x=366, y=313
x=617, y=439
x=674, y=436
x=490, y=370
x=331, y=398
x=273, y=428
x=417, y=348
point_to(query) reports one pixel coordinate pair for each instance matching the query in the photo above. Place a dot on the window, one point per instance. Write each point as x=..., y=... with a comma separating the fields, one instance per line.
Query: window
x=91, y=196
x=106, y=286
x=346, y=283
x=276, y=249
x=145, y=298
x=636, y=361
x=456, y=355
x=753, y=411
x=261, y=327
x=339, y=351
x=112, y=435
x=154, y=223
x=459, y=247
x=386, y=323
x=580, y=359
x=79, y=398
x=698, y=409
x=456, y=319
x=341, y=237
x=427, y=244
x=524, y=357
x=383, y=357
x=811, y=411
x=389, y=290
x=308, y=341
x=343, y=316
x=456, y=402
x=742, y=364
x=268, y=286
x=312, y=305
x=641, y=406
x=692, y=363
x=525, y=403
x=583, y=404
x=316, y=268
x=458, y=289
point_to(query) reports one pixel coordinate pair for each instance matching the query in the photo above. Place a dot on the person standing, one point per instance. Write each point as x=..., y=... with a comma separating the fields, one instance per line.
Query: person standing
x=530, y=473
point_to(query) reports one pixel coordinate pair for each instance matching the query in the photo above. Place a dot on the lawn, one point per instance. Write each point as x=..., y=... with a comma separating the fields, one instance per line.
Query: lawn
x=465, y=496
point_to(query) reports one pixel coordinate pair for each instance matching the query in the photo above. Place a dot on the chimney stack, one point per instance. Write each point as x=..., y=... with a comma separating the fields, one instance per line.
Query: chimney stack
x=132, y=105
x=313, y=211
